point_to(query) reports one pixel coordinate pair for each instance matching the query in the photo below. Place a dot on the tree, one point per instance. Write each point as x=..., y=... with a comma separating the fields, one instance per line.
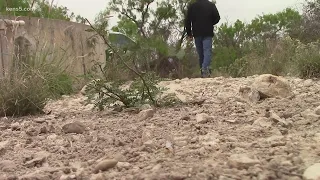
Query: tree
x=127, y=27
x=310, y=27
x=152, y=18
x=80, y=19
x=156, y=26
x=234, y=41
x=274, y=25
x=46, y=10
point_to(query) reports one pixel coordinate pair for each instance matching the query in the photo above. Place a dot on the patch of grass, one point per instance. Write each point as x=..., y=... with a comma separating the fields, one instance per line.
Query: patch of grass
x=26, y=94
x=30, y=84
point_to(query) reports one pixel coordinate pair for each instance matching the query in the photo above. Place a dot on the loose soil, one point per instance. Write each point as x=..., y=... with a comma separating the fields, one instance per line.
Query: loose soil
x=225, y=137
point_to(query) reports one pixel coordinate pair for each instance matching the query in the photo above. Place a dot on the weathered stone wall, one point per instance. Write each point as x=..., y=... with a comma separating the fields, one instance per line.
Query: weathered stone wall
x=57, y=39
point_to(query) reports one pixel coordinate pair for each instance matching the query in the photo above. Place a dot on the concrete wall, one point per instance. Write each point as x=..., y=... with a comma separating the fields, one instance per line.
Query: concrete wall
x=59, y=39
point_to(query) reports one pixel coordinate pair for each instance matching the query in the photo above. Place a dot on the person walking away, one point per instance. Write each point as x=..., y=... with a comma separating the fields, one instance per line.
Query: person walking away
x=200, y=19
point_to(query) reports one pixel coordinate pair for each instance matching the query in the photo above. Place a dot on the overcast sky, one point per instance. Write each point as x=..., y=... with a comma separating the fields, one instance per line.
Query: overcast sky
x=230, y=10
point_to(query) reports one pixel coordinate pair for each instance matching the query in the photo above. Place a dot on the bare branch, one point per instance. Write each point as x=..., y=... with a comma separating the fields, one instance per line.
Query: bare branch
x=122, y=60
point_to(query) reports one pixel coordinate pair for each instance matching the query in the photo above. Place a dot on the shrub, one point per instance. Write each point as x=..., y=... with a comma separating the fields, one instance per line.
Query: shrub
x=106, y=91
x=282, y=57
x=307, y=60
x=103, y=93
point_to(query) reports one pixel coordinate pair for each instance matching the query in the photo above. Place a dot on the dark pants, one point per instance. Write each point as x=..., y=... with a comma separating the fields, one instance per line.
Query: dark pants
x=204, y=49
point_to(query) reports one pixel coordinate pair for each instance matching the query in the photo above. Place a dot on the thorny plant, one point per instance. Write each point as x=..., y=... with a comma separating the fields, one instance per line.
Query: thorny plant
x=142, y=90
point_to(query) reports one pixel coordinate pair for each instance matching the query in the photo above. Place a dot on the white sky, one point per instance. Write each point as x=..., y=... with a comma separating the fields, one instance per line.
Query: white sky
x=230, y=10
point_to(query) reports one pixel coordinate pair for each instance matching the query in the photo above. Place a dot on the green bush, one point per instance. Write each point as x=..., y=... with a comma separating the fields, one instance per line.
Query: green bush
x=281, y=57
x=307, y=60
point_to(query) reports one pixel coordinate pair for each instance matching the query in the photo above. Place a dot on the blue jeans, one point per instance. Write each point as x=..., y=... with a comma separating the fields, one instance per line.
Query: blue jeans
x=204, y=49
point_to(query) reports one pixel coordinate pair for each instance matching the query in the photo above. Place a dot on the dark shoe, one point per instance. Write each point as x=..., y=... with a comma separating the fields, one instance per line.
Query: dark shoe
x=205, y=73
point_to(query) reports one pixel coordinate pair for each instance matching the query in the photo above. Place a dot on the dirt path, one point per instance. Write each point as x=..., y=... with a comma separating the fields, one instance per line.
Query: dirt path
x=227, y=137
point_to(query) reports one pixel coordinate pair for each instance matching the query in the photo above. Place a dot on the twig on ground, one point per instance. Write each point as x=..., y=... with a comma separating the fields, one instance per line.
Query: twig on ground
x=131, y=69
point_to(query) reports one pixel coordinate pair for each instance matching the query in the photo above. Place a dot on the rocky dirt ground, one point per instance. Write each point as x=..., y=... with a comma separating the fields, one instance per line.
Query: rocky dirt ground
x=245, y=129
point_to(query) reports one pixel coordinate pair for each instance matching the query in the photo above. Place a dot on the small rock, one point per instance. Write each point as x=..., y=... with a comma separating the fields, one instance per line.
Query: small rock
x=117, y=109
x=249, y=94
x=276, y=132
x=277, y=119
x=275, y=138
x=146, y=114
x=7, y=166
x=309, y=115
x=263, y=122
x=3, y=146
x=308, y=83
x=132, y=110
x=39, y=120
x=231, y=139
x=317, y=110
x=5, y=120
x=241, y=161
x=317, y=137
x=197, y=102
x=146, y=135
x=52, y=137
x=177, y=176
x=231, y=120
x=203, y=118
x=286, y=163
x=32, y=131
x=105, y=165
x=312, y=172
x=210, y=143
x=156, y=168
x=38, y=159
x=83, y=90
x=74, y=127
x=295, y=178
x=124, y=165
x=265, y=175
x=35, y=176
x=68, y=177
x=297, y=160
x=303, y=122
x=181, y=143
x=186, y=118
x=169, y=146
x=145, y=107
x=44, y=130
x=286, y=115
x=15, y=126
x=120, y=157
x=4, y=127
x=99, y=176
x=149, y=144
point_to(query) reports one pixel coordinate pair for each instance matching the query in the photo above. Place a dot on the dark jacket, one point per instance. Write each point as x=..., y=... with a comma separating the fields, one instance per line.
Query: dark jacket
x=201, y=16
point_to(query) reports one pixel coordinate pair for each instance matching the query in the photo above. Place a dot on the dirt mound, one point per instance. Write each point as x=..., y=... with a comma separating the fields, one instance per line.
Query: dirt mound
x=228, y=136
